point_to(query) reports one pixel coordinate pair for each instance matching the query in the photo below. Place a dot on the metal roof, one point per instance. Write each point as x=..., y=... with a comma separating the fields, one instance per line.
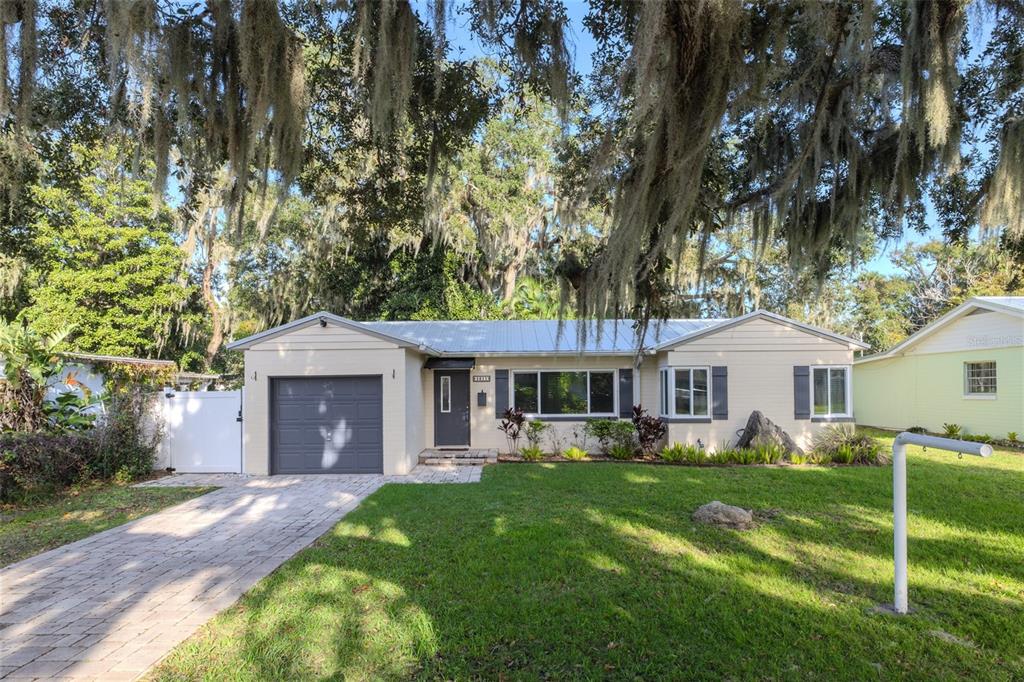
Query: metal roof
x=521, y=337
x=1008, y=301
x=534, y=337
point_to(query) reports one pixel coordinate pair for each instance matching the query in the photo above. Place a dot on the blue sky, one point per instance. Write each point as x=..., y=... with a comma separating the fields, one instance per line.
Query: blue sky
x=583, y=46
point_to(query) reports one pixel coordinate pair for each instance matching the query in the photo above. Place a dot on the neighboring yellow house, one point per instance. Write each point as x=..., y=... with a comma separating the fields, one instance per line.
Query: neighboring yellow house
x=966, y=368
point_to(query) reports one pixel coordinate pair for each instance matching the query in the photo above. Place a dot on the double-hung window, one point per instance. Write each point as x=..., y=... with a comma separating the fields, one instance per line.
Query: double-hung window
x=980, y=379
x=685, y=392
x=558, y=392
x=830, y=388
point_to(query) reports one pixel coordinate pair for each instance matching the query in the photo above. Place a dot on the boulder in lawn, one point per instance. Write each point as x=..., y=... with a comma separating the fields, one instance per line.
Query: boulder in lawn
x=760, y=430
x=719, y=514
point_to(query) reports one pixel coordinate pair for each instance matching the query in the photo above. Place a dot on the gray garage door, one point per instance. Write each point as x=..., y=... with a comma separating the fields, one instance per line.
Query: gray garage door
x=330, y=425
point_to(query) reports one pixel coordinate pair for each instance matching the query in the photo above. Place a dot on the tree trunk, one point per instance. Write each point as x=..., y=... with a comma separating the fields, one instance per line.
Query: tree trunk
x=216, y=319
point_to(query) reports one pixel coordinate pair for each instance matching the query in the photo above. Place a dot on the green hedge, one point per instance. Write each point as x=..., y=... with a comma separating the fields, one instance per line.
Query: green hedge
x=33, y=464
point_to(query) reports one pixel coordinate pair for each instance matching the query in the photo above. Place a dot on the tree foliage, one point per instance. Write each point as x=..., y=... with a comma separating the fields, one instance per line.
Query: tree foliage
x=836, y=116
x=721, y=155
x=106, y=263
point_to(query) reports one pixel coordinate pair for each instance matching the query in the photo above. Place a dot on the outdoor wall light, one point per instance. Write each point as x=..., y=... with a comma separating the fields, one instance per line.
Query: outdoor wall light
x=323, y=322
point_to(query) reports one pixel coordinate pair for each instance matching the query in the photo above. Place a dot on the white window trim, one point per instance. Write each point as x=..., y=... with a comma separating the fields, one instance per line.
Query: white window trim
x=849, y=391
x=980, y=396
x=669, y=372
x=582, y=415
x=446, y=383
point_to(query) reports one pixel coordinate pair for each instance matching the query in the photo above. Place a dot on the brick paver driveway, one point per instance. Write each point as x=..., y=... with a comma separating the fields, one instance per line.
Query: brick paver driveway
x=110, y=606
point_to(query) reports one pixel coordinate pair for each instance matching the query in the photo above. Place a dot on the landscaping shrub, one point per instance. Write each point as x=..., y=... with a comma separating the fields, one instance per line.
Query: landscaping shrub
x=575, y=453
x=742, y=456
x=70, y=412
x=621, y=451
x=127, y=440
x=30, y=362
x=979, y=438
x=1012, y=436
x=844, y=446
x=916, y=429
x=556, y=440
x=797, y=458
x=684, y=454
x=512, y=426
x=952, y=430
x=611, y=433
x=33, y=464
x=769, y=453
x=649, y=429
x=532, y=453
x=674, y=453
x=123, y=447
x=535, y=430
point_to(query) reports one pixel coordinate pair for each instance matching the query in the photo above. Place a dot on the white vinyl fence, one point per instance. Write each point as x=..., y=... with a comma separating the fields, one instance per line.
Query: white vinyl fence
x=203, y=431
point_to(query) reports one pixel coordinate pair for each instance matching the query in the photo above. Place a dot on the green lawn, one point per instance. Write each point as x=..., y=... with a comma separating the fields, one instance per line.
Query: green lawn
x=32, y=528
x=596, y=571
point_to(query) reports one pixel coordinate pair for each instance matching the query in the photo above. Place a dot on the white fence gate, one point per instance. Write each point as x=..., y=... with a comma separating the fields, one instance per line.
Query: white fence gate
x=203, y=431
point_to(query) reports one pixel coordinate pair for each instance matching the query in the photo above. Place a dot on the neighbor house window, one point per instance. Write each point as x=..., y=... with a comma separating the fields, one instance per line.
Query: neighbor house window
x=980, y=379
x=684, y=392
x=830, y=387
x=446, y=394
x=564, y=392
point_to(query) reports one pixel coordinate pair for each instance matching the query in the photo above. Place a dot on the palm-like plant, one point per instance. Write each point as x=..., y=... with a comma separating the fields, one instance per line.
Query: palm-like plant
x=30, y=360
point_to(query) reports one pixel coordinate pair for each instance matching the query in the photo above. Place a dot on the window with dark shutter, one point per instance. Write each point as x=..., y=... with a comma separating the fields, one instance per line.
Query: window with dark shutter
x=802, y=392
x=720, y=392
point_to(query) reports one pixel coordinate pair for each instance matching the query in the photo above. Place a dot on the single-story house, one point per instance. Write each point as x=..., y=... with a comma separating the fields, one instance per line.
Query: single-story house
x=329, y=394
x=965, y=368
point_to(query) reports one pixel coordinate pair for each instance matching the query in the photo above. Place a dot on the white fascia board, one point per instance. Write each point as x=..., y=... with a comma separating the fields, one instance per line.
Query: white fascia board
x=331, y=318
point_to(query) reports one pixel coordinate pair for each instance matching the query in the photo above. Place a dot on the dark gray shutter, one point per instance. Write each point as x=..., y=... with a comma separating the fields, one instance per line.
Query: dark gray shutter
x=802, y=392
x=500, y=392
x=626, y=393
x=719, y=392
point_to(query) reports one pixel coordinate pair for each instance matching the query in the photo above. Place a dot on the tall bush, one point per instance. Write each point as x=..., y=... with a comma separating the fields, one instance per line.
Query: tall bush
x=128, y=437
x=30, y=360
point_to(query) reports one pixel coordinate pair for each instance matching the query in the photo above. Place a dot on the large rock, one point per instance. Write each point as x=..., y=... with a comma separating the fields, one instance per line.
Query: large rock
x=719, y=514
x=760, y=430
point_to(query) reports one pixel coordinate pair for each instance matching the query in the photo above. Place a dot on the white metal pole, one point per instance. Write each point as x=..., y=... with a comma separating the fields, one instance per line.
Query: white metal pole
x=899, y=497
x=899, y=522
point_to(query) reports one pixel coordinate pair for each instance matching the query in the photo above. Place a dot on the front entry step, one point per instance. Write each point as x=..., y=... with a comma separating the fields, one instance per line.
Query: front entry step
x=475, y=456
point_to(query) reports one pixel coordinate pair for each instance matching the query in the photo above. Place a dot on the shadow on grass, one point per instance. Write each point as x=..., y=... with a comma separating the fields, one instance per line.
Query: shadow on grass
x=595, y=572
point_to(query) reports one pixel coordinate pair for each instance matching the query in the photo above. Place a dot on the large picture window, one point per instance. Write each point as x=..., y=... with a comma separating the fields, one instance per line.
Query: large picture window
x=685, y=392
x=565, y=392
x=980, y=379
x=830, y=387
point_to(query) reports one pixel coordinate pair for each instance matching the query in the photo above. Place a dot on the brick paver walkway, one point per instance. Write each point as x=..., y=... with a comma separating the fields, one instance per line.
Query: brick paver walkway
x=110, y=606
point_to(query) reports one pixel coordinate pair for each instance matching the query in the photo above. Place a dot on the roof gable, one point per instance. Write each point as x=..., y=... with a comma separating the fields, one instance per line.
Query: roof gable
x=324, y=319
x=769, y=317
x=1008, y=305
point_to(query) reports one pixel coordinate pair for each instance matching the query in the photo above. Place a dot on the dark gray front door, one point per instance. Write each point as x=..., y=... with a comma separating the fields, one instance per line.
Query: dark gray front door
x=451, y=407
x=329, y=425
